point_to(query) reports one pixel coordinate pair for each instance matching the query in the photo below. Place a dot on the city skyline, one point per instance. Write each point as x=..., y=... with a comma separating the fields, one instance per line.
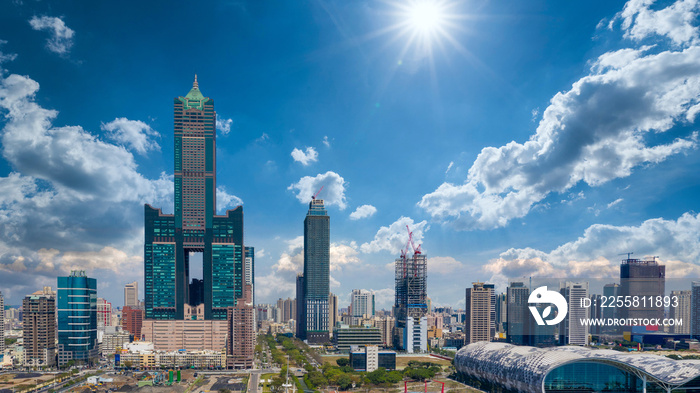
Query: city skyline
x=513, y=139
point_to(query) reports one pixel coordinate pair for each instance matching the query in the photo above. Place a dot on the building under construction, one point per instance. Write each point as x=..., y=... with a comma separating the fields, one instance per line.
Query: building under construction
x=411, y=306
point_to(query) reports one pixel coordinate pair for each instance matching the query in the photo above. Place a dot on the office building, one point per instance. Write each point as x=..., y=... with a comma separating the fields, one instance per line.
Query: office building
x=695, y=309
x=682, y=311
x=192, y=335
x=131, y=294
x=364, y=359
x=114, y=339
x=501, y=367
x=415, y=337
x=300, y=308
x=345, y=337
x=39, y=330
x=571, y=330
x=478, y=313
x=196, y=292
x=332, y=311
x=132, y=321
x=518, y=314
x=642, y=278
x=315, y=280
x=610, y=291
x=194, y=226
x=250, y=269
x=77, y=318
x=362, y=303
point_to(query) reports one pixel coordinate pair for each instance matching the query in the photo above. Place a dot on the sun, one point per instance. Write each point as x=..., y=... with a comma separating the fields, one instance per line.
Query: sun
x=425, y=16
x=426, y=24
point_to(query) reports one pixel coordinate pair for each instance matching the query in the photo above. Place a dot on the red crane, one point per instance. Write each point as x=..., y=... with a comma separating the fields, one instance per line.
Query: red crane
x=317, y=192
x=416, y=250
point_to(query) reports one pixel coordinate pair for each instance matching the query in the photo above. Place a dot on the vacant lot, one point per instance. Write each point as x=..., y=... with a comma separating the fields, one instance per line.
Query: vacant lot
x=401, y=361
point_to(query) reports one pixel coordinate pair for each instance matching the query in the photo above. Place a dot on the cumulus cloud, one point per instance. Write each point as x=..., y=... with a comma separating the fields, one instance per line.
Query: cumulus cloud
x=595, y=132
x=223, y=125
x=675, y=22
x=596, y=253
x=443, y=265
x=333, y=192
x=225, y=200
x=394, y=237
x=363, y=211
x=66, y=183
x=6, y=57
x=132, y=133
x=305, y=158
x=61, y=36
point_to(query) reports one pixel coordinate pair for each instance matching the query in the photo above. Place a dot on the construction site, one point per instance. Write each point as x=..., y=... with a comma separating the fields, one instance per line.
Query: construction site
x=411, y=272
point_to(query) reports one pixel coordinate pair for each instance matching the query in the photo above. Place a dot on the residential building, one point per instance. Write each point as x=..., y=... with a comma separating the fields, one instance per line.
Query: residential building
x=114, y=339
x=682, y=311
x=240, y=344
x=362, y=303
x=2, y=324
x=695, y=309
x=131, y=294
x=104, y=313
x=77, y=318
x=39, y=330
x=416, y=335
x=132, y=321
x=316, y=274
x=250, y=269
x=193, y=335
x=478, y=312
x=332, y=311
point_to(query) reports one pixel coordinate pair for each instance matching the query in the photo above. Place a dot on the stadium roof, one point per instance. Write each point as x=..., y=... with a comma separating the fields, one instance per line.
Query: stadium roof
x=524, y=368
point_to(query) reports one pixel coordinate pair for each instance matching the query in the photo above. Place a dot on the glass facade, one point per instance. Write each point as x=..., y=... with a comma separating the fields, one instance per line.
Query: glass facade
x=77, y=318
x=591, y=377
x=316, y=272
x=194, y=225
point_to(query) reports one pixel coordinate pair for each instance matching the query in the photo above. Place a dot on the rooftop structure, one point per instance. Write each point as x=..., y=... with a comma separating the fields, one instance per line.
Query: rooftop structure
x=506, y=367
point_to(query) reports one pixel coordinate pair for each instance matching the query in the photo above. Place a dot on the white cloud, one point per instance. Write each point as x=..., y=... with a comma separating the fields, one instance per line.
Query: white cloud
x=326, y=142
x=449, y=166
x=225, y=200
x=676, y=21
x=305, y=158
x=443, y=265
x=343, y=255
x=6, y=57
x=394, y=237
x=596, y=253
x=260, y=253
x=593, y=133
x=363, y=211
x=61, y=39
x=264, y=137
x=333, y=192
x=615, y=202
x=132, y=133
x=223, y=125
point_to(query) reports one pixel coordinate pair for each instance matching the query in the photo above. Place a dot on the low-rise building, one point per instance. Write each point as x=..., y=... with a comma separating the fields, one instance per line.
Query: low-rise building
x=346, y=336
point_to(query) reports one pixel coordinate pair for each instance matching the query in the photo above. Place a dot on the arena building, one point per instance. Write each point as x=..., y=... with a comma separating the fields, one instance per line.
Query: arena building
x=506, y=368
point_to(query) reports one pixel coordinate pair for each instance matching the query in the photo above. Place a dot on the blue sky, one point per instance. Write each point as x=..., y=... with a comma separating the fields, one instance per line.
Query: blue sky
x=515, y=138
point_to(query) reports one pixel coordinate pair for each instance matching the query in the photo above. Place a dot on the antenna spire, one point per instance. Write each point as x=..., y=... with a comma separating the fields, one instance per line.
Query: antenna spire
x=195, y=85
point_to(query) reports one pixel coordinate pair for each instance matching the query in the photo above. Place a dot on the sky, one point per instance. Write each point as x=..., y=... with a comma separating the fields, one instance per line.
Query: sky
x=515, y=139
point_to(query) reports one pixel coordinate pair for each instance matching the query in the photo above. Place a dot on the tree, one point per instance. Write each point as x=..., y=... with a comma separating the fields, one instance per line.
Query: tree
x=342, y=362
x=377, y=376
x=345, y=382
x=394, y=377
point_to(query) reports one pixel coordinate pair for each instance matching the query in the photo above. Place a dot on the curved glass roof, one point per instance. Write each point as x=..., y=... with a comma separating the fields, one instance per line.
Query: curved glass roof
x=525, y=368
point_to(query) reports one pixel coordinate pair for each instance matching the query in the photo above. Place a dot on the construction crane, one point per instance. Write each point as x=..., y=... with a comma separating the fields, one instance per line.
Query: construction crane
x=410, y=240
x=317, y=192
x=629, y=255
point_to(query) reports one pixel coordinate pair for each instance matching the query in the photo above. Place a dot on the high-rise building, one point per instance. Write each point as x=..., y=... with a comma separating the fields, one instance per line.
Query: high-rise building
x=250, y=269
x=300, y=308
x=411, y=298
x=240, y=343
x=131, y=294
x=518, y=320
x=77, y=318
x=132, y=321
x=610, y=291
x=571, y=330
x=477, y=325
x=362, y=303
x=104, y=313
x=492, y=331
x=39, y=330
x=332, y=310
x=315, y=282
x=681, y=311
x=415, y=336
x=642, y=278
x=196, y=292
x=194, y=226
x=695, y=309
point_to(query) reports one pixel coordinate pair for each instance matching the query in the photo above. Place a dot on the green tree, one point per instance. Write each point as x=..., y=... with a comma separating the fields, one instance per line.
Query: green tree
x=342, y=362
x=394, y=377
x=345, y=382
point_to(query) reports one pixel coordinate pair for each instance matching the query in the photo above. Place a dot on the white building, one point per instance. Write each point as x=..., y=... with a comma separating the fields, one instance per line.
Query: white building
x=415, y=337
x=572, y=331
x=362, y=303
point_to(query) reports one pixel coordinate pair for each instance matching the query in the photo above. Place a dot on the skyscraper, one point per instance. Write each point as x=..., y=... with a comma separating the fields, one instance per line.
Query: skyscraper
x=642, y=278
x=695, y=309
x=411, y=298
x=250, y=270
x=104, y=313
x=2, y=323
x=194, y=226
x=478, y=313
x=39, y=329
x=681, y=311
x=131, y=294
x=518, y=314
x=315, y=281
x=332, y=311
x=77, y=318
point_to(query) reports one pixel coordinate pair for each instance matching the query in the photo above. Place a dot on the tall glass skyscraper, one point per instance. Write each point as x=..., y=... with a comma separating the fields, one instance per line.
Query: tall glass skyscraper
x=315, y=281
x=77, y=318
x=194, y=226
